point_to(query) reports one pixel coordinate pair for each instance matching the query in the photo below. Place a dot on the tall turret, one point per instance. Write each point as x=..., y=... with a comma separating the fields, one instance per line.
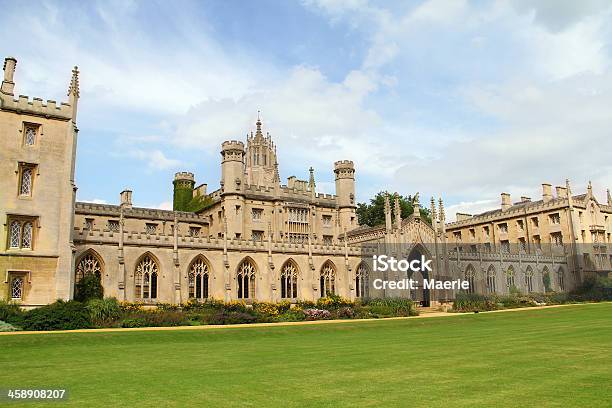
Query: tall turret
x=8, y=85
x=183, y=190
x=232, y=166
x=232, y=186
x=345, y=192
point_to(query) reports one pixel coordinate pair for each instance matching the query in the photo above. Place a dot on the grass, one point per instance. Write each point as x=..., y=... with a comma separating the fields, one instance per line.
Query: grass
x=557, y=357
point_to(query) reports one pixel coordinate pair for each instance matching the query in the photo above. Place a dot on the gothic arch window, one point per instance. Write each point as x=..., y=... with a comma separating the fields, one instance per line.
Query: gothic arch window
x=15, y=234
x=17, y=288
x=546, y=279
x=288, y=280
x=245, y=279
x=529, y=279
x=25, y=188
x=491, y=280
x=470, y=277
x=198, y=279
x=510, y=283
x=20, y=232
x=327, y=279
x=89, y=264
x=561, y=279
x=362, y=284
x=145, y=278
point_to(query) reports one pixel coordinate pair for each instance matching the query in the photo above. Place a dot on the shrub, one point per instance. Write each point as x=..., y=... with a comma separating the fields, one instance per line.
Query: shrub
x=131, y=306
x=60, y=315
x=305, y=304
x=231, y=317
x=317, y=314
x=89, y=287
x=344, y=313
x=104, y=311
x=134, y=322
x=155, y=318
x=386, y=307
x=473, y=302
x=332, y=302
x=11, y=313
x=271, y=309
x=235, y=306
x=292, y=315
x=7, y=327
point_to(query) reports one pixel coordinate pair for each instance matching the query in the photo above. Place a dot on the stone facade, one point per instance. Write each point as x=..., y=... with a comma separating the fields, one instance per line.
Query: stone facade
x=254, y=237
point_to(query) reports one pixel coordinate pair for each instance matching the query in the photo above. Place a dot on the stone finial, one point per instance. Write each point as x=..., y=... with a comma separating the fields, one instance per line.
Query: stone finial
x=8, y=86
x=416, y=205
x=311, y=181
x=609, y=197
x=590, y=188
x=433, y=209
x=398, y=211
x=387, y=212
x=73, y=89
x=441, y=205
x=276, y=173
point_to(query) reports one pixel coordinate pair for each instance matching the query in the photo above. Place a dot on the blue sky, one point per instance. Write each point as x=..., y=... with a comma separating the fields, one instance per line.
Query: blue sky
x=449, y=98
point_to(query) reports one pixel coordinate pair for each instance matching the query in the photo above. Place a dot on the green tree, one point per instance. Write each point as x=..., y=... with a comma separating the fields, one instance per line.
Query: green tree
x=89, y=287
x=373, y=214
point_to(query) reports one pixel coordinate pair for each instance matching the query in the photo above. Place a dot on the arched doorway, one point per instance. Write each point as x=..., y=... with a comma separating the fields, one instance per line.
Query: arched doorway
x=423, y=295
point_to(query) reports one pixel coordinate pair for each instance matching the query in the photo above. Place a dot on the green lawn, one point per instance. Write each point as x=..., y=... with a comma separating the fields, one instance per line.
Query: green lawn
x=559, y=357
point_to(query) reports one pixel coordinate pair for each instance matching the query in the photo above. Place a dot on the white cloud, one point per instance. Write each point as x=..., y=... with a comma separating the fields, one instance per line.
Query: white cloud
x=95, y=201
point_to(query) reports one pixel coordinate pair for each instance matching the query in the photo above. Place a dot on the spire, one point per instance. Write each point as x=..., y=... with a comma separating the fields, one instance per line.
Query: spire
x=441, y=206
x=398, y=211
x=258, y=124
x=609, y=197
x=433, y=211
x=311, y=182
x=276, y=173
x=73, y=89
x=74, y=92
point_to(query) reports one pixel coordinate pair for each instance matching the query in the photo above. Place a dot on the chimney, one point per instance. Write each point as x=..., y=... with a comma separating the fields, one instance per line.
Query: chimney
x=525, y=199
x=561, y=192
x=505, y=201
x=546, y=192
x=9, y=71
x=126, y=199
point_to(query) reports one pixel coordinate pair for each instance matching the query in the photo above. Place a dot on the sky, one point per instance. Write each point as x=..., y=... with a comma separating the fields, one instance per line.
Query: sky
x=455, y=99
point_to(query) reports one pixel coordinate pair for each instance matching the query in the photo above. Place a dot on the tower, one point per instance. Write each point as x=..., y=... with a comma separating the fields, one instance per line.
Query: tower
x=37, y=192
x=183, y=190
x=345, y=192
x=260, y=158
x=232, y=185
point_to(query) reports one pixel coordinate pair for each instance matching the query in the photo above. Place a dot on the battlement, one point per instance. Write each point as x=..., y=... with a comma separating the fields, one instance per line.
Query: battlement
x=36, y=107
x=184, y=175
x=344, y=164
x=232, y=145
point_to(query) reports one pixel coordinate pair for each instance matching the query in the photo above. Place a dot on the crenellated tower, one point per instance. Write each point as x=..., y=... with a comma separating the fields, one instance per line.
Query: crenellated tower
x=232, y=186
x=345, y=192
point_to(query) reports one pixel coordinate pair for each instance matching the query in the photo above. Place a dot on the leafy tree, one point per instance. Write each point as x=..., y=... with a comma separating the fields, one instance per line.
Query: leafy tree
x=89, y=287
x=373, y=214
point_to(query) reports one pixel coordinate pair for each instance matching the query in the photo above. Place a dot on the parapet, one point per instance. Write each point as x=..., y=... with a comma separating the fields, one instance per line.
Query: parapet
x=232, y=145
x=37, y=107
x=184, y=176
x=344, y=164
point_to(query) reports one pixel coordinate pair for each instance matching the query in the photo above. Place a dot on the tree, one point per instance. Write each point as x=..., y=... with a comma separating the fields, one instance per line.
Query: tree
x=89, y=287
x=373, y=214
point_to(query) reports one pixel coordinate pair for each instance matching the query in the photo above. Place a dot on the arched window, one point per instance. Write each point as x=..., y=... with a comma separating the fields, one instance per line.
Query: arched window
x=470, y=277
x=198, y=279
x=546, y=281
x=561, y=279
x=26, y=182
x=17, y=288
x=88, y=265
x=289, y=278
x=328, y=279
x=510, y=278
x=26, y=237
x=362, y=284
x=145, y=278
x=529, y=279
x=245, y=279
x=491, y=280
x=15, y=232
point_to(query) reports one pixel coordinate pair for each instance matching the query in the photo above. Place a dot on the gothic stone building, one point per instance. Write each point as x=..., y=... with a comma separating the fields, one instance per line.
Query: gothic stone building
x=255, y=238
